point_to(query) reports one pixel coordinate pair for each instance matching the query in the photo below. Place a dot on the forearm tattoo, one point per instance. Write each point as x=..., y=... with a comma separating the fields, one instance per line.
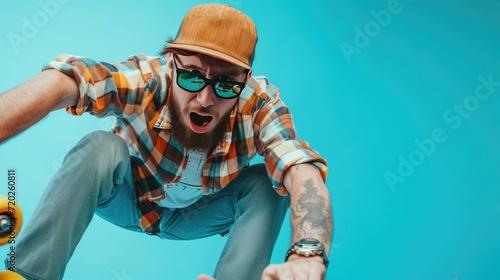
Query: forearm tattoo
x=312, y=214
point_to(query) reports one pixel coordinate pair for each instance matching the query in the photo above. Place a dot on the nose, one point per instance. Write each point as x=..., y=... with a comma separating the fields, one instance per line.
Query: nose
x=206, y=97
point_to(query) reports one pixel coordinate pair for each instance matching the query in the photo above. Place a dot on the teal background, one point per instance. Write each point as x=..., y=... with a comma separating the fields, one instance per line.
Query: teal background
x=437, y=217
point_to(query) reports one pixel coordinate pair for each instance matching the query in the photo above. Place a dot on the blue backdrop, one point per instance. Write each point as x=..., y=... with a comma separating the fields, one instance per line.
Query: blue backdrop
x=401, y=97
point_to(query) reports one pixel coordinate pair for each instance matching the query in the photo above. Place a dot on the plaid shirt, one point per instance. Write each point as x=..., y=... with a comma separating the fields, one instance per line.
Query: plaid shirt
x=136, y=91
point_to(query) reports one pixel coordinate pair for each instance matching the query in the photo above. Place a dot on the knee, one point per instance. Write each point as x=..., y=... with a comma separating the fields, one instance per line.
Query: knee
x=263, y=188
x=104, y=143
x=259, y=172
x=98, y=146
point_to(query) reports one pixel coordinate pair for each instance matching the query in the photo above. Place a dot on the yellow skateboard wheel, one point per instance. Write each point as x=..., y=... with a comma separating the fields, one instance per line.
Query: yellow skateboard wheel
x=9, y=275
x=11, y=220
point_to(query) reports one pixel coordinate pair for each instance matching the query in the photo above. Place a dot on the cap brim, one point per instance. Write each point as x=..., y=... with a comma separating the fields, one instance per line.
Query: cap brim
x=209, y=52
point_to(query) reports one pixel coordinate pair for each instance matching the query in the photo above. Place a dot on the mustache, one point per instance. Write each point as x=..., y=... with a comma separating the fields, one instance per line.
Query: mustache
x=200, y=109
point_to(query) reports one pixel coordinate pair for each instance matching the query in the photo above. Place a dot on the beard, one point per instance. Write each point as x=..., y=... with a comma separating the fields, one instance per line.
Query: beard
x=191, y=140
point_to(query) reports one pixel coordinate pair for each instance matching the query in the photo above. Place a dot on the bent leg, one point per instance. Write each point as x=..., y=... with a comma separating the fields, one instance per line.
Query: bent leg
x=252, y=237
x=95, y=173
x=249, y=209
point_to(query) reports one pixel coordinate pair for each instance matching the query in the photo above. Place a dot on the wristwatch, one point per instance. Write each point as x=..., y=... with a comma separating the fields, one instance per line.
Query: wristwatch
x=308, y=247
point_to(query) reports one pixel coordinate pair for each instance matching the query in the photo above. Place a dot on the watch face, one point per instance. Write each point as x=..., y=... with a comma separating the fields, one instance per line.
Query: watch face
x=309, y=244
x=308, y=247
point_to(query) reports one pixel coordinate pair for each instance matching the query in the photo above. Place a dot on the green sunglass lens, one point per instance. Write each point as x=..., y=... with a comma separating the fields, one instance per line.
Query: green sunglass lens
x=190, y=81
x=227, y=89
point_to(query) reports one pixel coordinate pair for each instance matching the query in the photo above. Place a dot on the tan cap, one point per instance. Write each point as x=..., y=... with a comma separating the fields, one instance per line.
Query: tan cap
x=219, y=31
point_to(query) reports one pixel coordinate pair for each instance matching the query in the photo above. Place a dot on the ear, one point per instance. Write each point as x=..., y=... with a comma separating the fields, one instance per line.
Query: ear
x=170, y=65
x=249, y=74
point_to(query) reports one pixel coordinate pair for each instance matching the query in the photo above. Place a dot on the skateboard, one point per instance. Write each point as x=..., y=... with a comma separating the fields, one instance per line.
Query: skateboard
x=11, y=219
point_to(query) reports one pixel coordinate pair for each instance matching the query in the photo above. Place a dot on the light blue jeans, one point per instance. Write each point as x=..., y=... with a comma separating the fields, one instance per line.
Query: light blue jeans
x=96, y=178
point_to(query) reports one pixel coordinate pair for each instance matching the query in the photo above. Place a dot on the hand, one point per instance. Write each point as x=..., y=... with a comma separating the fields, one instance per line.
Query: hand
x=298, y=268
x=204, y=277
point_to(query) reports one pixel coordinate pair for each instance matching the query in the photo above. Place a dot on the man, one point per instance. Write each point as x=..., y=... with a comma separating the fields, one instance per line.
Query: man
x=177, y=162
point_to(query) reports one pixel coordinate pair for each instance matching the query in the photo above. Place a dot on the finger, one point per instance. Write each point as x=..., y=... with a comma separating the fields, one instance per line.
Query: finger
x=279, y=272
x=204, y=277
x=270, y=273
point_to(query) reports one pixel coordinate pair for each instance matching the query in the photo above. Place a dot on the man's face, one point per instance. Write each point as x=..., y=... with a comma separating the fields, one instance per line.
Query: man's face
x=201, y=118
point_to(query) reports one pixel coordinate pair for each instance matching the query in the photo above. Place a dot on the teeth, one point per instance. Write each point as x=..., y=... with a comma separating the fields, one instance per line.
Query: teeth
x=205, y=123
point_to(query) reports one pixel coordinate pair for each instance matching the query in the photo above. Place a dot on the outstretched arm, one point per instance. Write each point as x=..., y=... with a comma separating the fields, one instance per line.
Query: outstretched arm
x=311, y=217
x=26, y=104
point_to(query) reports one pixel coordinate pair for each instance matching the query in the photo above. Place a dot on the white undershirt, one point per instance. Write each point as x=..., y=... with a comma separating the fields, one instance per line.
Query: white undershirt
x=188, y=190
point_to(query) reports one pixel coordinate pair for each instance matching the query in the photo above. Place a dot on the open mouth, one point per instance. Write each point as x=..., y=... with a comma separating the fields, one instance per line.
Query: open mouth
x=200, y=120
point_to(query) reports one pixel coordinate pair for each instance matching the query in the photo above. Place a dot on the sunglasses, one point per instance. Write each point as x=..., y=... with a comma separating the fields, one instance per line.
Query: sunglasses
x=193, y=81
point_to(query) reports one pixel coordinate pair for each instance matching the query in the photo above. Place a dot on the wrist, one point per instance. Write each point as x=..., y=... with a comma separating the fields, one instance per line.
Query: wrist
x=307, y=248
x=294, y=257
